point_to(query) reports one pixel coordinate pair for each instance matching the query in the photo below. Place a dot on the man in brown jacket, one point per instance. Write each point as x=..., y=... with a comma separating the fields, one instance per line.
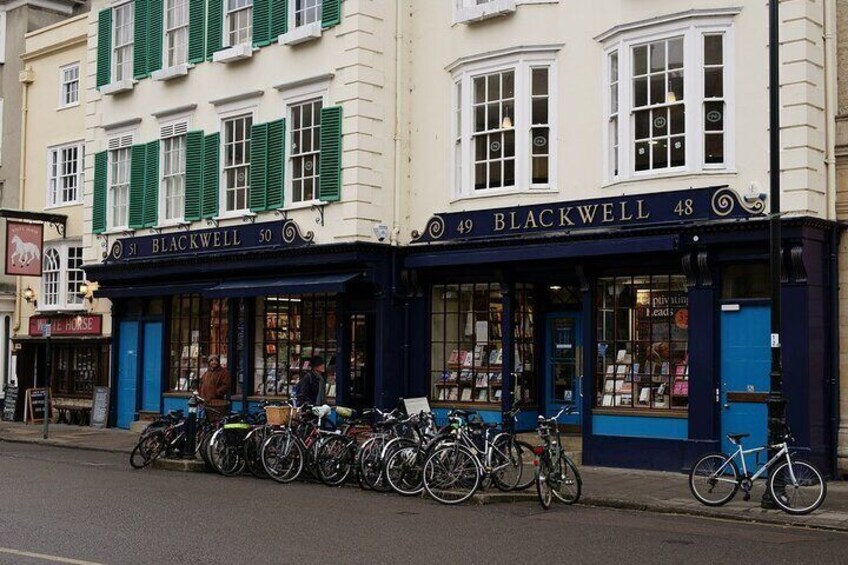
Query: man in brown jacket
x=215, y=382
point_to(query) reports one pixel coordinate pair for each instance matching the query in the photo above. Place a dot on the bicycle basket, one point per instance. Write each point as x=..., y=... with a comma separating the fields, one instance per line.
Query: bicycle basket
x=278, y=415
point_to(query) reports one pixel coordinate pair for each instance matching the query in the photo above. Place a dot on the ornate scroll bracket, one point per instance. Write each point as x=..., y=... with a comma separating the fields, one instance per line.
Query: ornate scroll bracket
x=293, y=236
x=433, y=231
x=725, y=200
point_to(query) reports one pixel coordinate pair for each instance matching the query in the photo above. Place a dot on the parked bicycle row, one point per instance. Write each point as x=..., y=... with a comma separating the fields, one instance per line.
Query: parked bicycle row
x=382, y=451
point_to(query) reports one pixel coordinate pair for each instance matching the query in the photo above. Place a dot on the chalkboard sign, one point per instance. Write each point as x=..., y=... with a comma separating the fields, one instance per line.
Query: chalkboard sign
x=36, y=399
x=100, y=407
x=10, y=405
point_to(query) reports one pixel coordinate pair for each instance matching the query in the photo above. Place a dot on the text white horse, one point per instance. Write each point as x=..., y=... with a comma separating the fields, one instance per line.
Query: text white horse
x=25, y=253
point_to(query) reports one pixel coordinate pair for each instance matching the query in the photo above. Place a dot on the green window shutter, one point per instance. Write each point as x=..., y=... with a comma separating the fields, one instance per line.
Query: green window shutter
x=331, y=13
x=154, y=36
x=193, y=175
x=211, y=175
x=104, y=47
x=137, y=170
x=151, y=185
x=261, y=22
x=330, y=165
x=276, y=163
x=214, y=27
x=141, y=14
x=98, y=209
x=196, y=25
x=279, y=18
x=257, y=194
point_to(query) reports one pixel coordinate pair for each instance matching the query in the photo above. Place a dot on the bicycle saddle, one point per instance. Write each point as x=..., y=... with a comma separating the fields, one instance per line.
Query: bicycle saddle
x=736, y=437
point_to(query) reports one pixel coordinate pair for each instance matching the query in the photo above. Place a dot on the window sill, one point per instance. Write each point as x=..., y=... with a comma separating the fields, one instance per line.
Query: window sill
x=302, y=34
x=302, y=205
x=643, y=412
x=668, y=175
x=47, y=310
x=117, y=87
x=166, y=224
x=171, y=72
x=493, y=9
x=494, y=193
x=118, y=231
x=234, y=215
x=64, y=205
x=234, y=53
x=68, y=106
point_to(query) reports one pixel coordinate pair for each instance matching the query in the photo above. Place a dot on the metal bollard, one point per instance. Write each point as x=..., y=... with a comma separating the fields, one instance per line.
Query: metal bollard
x=190, y=428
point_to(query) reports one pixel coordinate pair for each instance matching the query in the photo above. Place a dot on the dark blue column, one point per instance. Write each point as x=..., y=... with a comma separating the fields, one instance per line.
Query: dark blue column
x=590, y=354
x=508, y=340
x=343, y=345
x=704, y=368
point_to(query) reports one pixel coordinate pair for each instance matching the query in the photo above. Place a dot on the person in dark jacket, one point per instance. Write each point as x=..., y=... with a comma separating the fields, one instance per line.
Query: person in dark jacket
x=215, y=382
x=312, y=387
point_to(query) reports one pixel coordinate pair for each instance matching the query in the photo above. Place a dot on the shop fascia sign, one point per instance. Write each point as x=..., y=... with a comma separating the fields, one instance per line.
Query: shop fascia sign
x=265, y=235
x=83, y=324
x=674, y=207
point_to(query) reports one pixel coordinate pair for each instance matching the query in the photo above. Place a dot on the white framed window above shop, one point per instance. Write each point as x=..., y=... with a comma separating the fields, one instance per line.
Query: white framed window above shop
x=64, y=174
x=504, y=126
x=118, y=181
x=123, y=33
x=176, y=33
x=235, y=162
x=173, y=169
x=238, y=18
x=668, y=100
x=304, y=150
x=306, y=12
x=69, y=80
x=62, y=276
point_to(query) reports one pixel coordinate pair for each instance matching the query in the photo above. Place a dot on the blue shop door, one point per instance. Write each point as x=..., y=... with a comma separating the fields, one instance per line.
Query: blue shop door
x=745, y=366
x=151, y=392
x=564, y=366
x=127, y=373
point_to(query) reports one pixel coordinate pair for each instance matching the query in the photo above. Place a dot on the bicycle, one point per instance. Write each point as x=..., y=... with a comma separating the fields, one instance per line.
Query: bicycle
x=796, y=486
x=289, y=450
x=454, y=471
x=556, y=475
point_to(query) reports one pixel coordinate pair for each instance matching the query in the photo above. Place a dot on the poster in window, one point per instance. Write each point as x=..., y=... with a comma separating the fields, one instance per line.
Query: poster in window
x=24, y=244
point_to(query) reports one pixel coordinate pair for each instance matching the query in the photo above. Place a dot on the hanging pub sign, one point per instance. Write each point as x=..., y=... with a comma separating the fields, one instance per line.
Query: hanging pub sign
x=697, y=204
x=245, y=237
x=24, y=242
x=83, y=324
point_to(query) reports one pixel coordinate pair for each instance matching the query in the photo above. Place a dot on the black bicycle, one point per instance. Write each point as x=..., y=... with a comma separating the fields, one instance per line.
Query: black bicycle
x=556, y=475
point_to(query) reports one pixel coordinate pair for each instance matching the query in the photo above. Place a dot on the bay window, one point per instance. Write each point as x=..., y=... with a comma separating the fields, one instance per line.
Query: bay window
x=667, y=103
x=62, y=277
x=503, y=131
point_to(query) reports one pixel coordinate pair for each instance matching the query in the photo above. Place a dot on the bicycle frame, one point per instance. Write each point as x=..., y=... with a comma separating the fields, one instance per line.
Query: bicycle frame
x=783, y=451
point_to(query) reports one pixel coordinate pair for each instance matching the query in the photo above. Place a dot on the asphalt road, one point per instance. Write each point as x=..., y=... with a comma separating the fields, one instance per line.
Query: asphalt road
x=65, y=506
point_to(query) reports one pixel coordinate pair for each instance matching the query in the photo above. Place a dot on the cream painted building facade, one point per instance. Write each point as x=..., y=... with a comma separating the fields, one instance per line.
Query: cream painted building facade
x=513, y=199
x=53, y=134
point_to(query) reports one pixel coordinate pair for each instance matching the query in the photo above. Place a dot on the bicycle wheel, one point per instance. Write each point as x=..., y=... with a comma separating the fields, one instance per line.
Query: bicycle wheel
x=147, y=450
x=451, y=474
x=528, y=466
x=403, y=470
x=253, y=453
x=714, y=479
x=203, y=449
x=802, y=495
x=370, y=465
x=335, y=460
x=566, y=482
x=225, y=453
x=543, y=487
x=506, y=463
x=282, y=457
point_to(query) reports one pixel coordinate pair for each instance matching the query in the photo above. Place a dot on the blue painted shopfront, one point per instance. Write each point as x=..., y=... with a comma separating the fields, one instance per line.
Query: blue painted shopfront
x=127, y=381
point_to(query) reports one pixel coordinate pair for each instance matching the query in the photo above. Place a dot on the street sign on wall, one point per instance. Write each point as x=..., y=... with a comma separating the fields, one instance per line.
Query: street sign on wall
x=24, y=244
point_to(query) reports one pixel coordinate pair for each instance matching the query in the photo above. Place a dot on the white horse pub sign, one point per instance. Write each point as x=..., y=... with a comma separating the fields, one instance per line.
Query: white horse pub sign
x=23, y=248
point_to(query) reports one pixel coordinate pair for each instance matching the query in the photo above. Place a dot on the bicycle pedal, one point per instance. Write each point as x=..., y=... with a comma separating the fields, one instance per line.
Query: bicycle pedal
x=747, y=497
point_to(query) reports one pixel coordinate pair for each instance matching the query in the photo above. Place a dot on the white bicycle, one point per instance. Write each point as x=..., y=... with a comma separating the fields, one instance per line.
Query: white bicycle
x=796, y=486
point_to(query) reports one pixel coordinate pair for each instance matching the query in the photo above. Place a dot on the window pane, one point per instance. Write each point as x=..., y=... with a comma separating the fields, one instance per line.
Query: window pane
x=657, y=57
x=678, y=119
x=640, y=60
x=714, y=148
x=643, y=159
x=640, y=92
x=660, y=153
x=540, y=111
x=540, y=82
x=643, y=124
x=714, y=82
x=678, y=151
x=675, y=53
x=714, y=116
x=713, y=50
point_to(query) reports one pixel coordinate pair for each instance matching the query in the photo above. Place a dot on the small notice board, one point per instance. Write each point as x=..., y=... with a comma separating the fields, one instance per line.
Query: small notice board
x=414, y=406
x=100, y=407
x=10, y=405
x=37, y=400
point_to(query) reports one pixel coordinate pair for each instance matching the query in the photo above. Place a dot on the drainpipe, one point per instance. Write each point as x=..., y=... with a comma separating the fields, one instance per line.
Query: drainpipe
x=831, y=94
x=26, y=78
x=399, y=10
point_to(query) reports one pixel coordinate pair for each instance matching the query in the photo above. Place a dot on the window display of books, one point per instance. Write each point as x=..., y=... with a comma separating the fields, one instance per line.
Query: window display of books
x=648, y=385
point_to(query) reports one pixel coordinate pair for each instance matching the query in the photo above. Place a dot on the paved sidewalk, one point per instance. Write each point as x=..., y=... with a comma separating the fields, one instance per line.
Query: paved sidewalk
x=77, y=437
x=629, y=489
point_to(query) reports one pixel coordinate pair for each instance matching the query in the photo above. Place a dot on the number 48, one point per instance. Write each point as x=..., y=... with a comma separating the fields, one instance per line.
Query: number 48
x=684, y=207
